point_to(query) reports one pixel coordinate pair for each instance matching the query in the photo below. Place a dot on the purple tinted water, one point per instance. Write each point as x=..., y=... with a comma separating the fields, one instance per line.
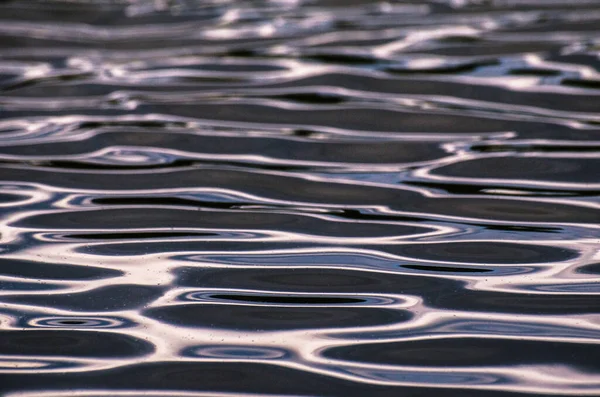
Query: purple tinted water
x=299, y=198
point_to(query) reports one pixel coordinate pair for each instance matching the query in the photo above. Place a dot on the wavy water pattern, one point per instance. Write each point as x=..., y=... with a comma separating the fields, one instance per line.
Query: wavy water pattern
x=299, y=198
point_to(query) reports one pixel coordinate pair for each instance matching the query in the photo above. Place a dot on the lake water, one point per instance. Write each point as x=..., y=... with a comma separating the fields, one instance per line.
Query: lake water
x=299, y=198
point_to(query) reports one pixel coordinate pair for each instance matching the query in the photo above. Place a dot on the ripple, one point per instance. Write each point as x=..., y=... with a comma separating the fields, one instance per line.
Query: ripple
x=236, y=353
x=75, y=322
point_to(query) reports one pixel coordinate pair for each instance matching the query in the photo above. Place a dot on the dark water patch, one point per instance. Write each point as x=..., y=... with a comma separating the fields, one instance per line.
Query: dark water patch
x=202, y=79
x=276, y=148
x=259, y=318
x=446, y=269
x=6, y=77
x=304, y=133
x=174, y=164
x=359, y=215
x=214, y=377
x=582, y=83
x=491, y=49
x=88, y=165
x=72, y=343
x=316, y=280
x=243, y=52
x=467, y=352
x=593, y=268
x=57, y=12
x=457, y=188
x=294, y=300
x=561, y=26
x=579, y=59
x=570, y=170
x=520, y=229
x=344, y=59
x=534, y=72
x=165, y=201
x=513, y=209
x=460, y=39
x=355, y=118
x=9, y=198
x=25, y=286
x=485, y=252
x=142, y=218
x=225, y=66
x=246, y=243
x=524, y=303
x=130, y=124
x=310, y=98
x=136, y=235
x=413, y=85
x=443, y=69
x=54, y=271
x=557, y=148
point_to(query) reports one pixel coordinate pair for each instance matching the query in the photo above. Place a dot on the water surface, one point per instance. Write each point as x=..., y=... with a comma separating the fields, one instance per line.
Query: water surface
x=299, y=198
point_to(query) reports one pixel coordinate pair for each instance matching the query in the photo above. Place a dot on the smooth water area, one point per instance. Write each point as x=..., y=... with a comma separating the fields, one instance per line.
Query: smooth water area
x=299, y=198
